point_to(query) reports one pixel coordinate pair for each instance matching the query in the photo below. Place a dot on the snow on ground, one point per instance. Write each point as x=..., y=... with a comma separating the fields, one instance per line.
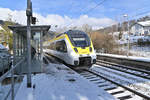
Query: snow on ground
x=144, y=48
x=140, y=53
x=133, y=39
x=143, y=51
x=129, y=57
x=125, y=79
x=137, y=50
x=5, y=88
x=60, y=83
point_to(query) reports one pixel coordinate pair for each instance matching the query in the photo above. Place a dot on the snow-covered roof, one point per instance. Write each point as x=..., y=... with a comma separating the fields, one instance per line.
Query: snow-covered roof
x=1, y=28
x=144, y=23
x=2, y=47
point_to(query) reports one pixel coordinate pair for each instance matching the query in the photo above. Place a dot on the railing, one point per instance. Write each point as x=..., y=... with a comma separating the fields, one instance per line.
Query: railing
x=13, y=79
x=4, y=63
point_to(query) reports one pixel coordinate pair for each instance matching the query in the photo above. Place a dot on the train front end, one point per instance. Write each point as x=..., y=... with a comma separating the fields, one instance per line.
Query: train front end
x=83, y=53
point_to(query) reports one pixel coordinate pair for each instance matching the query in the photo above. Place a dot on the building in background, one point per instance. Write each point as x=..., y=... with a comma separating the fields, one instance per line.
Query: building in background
x=140, y=28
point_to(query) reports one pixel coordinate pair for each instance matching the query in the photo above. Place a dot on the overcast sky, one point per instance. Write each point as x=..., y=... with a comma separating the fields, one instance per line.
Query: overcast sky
x=74, y=12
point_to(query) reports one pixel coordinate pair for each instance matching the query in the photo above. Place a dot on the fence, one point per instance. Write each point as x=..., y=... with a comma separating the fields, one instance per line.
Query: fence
x=8, y=81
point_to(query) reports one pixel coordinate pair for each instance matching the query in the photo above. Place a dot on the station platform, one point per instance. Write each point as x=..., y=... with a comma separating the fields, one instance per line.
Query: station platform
x=58, y=82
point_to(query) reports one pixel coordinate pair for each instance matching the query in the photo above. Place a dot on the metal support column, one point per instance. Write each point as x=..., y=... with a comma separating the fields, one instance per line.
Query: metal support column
x=38, y=49
x=13, y=64
x=18, y=46
x=28, y=52
x=21, y=45
x=24, y=44
x=17, y=51
x=128, y=37
x=41, y=48
x=12, y=82
x=29, y=15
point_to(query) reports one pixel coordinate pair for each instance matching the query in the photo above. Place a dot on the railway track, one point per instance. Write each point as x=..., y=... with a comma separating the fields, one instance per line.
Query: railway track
x=117, y=89
x=127, y=69
x=123, y=85
x=49, y=59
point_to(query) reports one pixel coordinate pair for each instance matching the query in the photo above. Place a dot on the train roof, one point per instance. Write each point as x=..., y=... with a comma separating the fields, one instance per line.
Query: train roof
x=70, y=32
x=75, y=32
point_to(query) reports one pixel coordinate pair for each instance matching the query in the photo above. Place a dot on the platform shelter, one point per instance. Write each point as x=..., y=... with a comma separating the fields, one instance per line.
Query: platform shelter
x=25, y=46
x=20, y=47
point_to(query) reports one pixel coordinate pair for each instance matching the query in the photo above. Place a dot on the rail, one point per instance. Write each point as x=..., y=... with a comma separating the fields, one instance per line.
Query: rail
x=118, y=84
x=7, y=74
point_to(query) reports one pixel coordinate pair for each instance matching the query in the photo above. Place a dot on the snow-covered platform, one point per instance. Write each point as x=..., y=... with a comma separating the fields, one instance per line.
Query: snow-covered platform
x=58, y=82
x=144, y=59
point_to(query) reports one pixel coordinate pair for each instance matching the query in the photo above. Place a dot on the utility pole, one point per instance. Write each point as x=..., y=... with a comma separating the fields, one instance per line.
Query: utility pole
x=125, y=15
x=29, y=15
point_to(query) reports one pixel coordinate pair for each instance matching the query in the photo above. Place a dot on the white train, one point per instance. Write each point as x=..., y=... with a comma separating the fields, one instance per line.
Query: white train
x=74, y=47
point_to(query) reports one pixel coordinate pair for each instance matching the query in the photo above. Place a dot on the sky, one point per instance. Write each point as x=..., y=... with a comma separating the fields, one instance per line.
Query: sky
x=66, y=13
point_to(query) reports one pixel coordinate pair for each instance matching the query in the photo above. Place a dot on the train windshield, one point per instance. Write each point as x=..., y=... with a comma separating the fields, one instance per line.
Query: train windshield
x=79, y=39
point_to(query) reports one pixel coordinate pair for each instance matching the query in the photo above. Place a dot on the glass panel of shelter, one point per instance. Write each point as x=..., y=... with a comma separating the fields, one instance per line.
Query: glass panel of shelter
x=21, y=45
x=35, y=44
x=20, y=48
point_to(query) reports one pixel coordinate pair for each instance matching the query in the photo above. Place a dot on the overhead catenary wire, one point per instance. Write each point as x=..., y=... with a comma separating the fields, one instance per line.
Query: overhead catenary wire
x=135, y=14
x=142, y=13
x=80, y=9
x=139, y=14
x=91, y=9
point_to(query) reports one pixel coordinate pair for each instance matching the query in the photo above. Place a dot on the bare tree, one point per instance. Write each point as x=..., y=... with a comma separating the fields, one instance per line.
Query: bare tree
x=104, y=42
x=87, y=28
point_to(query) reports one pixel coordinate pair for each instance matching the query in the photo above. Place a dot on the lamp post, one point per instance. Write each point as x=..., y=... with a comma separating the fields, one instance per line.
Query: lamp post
x=125, y=15
x=29, y=15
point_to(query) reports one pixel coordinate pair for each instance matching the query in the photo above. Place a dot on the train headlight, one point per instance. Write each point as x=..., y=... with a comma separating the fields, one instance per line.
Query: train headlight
x=75, y=49
x=72, y=54
x=90, y=49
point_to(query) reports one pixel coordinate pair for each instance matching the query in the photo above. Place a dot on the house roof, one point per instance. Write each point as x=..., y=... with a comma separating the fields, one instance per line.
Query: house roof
x=144, y=23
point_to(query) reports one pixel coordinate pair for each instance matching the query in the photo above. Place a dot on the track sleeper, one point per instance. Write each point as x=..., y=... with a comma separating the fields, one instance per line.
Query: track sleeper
x=94, y=80
x=90, y=77
x=114, y=93
x=100, y=82
x=125, y=97
x=112, y=88
x=103, y=85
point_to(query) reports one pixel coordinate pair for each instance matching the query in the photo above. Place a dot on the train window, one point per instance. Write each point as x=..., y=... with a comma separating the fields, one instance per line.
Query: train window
x=79, y=38
x=58, y=46
x=52, y=46
x=61, y=46
x=64, y=46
